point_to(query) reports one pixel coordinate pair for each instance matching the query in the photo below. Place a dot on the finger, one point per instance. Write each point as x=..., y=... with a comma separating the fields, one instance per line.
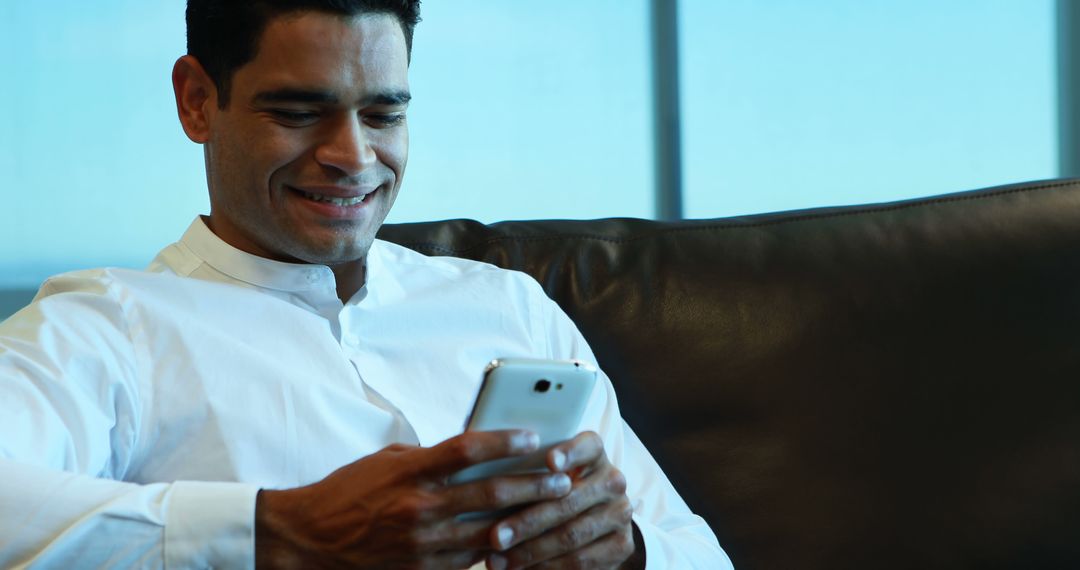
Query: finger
x=454, y=535
x=583, y=450
x=474, y=447
x=608, y=552
x=605, y=486
x=502, y=492
x=584, y=539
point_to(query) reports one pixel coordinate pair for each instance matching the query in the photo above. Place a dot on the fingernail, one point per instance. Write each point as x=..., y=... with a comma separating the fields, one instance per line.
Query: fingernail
x=559, y=484
x=525, y=441
x=496, y=562
x=558, y=458
x=506, y=535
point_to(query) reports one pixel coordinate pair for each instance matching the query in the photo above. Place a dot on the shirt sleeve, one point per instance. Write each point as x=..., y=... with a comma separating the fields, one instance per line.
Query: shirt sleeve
x=69, y=423
x=674, y=536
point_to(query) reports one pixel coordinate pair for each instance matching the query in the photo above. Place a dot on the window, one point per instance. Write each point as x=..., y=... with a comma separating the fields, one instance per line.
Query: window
x=529, y=110
x=789, y=104
x=543, y=110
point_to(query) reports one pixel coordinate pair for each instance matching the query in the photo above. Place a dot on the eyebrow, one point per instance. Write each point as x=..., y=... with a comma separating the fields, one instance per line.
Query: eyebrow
x=291, y=95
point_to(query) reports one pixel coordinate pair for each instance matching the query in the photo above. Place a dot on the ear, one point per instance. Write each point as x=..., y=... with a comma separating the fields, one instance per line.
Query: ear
x=196, y=97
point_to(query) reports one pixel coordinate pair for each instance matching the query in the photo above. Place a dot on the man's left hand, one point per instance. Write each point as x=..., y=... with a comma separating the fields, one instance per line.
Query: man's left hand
x=589, y=528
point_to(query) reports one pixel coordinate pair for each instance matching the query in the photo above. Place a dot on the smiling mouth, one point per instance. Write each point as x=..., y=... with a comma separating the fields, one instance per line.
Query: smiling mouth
x=342, y=202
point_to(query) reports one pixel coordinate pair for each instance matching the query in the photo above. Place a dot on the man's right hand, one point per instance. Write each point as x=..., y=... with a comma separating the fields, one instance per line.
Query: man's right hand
x=394, y=509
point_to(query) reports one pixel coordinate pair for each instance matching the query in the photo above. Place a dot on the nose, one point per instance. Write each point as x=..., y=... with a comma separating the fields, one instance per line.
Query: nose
x=346, y=147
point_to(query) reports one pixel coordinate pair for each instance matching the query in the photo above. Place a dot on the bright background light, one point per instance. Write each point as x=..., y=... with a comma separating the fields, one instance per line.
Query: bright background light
x=792, y=104
x=542, y=110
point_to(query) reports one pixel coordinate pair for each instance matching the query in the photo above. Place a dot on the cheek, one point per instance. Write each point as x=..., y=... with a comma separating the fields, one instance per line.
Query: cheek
x=278, y=146
x=391, y=147
x=274, y=154
x=252, y=153
x=397, y=154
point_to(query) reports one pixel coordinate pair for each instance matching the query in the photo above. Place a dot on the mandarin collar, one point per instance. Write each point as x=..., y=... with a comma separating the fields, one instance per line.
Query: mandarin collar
x=249, y=268
x=381, y=285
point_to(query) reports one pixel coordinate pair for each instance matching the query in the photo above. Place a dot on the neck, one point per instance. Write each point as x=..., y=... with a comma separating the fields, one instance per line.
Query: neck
x=350, y=278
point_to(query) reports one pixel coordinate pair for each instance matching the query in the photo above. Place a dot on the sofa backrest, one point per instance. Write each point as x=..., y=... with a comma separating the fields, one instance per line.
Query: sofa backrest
x=880, y=386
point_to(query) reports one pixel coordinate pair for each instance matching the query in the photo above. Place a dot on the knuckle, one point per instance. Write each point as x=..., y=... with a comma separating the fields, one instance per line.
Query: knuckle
x=526, y=523
x=494, y=494
x=410, y=509
x=572, y=537
x=591, y=441
x=540, y=488
x=616, y=482
x=461, y=449
x=572, y=504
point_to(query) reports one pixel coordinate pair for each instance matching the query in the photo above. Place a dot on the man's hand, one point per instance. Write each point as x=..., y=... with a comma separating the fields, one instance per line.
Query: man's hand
x=588, y=528
x=394, y=509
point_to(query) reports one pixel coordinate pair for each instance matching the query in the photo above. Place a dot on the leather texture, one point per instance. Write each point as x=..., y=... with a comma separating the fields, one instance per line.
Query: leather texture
x=882, y=386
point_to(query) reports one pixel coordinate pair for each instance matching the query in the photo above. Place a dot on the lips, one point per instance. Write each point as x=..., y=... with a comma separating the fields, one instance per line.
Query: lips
x=334, y=202
x=349, y=201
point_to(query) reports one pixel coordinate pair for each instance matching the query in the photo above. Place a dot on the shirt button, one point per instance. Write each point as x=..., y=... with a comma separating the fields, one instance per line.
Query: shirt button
x=312, y=276
x=351, y=340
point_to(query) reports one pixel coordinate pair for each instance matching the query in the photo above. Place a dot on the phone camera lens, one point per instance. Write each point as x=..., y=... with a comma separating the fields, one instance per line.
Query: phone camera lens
x=542, y=386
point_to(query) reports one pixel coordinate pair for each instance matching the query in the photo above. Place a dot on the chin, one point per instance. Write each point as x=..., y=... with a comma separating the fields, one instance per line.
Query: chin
x=336, y=253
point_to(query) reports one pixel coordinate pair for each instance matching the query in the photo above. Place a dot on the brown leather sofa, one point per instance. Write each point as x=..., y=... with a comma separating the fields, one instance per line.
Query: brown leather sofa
x=882, y=386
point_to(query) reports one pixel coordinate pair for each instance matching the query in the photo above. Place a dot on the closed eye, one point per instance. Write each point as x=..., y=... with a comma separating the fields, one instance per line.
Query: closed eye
x=296, y=118
x=385, y=120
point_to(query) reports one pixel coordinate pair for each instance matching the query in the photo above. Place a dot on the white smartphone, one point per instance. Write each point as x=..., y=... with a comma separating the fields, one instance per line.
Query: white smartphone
x=544, y=396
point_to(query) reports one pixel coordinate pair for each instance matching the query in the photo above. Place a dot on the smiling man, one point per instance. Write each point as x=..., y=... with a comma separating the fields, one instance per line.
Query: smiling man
x=306, y=162
x=281, y=389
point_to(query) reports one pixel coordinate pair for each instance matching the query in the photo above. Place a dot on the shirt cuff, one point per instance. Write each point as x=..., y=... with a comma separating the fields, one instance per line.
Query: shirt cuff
x=210, y=525
x=689, y=551
x=651, y=544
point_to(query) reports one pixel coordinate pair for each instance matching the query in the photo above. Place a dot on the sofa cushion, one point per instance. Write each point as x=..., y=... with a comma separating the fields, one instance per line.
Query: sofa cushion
x=888, y=386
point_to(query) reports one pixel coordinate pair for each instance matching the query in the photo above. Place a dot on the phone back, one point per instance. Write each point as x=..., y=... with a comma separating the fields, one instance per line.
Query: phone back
x=547, y=397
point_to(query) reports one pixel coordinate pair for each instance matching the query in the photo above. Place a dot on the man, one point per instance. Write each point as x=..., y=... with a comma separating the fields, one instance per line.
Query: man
x=279, y=389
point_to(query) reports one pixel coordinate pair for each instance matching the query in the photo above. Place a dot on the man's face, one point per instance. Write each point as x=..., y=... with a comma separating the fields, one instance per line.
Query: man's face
x=307, y=159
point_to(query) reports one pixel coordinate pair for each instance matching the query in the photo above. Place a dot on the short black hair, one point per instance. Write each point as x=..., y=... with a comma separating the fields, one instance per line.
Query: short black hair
x=224, y=34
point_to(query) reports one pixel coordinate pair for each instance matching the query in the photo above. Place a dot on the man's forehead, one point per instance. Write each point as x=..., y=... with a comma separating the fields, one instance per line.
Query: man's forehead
x=321, y=51
x=328, y=43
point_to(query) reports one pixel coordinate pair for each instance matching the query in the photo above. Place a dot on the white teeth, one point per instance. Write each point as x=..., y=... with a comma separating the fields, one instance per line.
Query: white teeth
x=335, y=201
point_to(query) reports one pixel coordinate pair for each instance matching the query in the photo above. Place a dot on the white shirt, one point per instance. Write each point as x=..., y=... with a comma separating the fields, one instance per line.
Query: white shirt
x=141, y=411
